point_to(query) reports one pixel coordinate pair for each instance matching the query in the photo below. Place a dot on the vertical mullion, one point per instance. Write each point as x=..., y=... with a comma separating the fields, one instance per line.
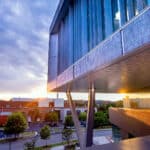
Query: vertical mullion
x=70, y=36
x=90, y=115
x=140, y=5
x=94, y=23
x=130, y=9
x=122, y=10
x=90, y=24
x=62, y=49
x=99, y=19
x=108, y=17
x=77, y=40
x=80, y=30
x=84, y=27
x=75, y=33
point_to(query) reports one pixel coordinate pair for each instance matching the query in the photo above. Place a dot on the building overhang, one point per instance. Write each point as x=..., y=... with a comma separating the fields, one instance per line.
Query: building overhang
x=119, y=64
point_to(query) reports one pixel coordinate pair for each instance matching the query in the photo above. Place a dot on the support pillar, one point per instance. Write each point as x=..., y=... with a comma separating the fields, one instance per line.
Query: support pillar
x=79, y=132
x=90, y=116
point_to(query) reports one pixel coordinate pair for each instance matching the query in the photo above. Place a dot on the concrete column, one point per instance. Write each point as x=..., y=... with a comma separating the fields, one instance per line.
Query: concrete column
x=122, y=10
x=90, y=116
x=80, y=134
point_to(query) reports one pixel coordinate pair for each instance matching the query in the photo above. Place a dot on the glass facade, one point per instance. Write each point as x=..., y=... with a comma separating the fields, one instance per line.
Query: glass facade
x=88, y=22
x=116, y=134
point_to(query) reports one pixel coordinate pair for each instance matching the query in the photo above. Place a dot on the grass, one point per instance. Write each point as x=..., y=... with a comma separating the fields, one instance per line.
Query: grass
x=104, y=127
x=9, y=140
x=54, y=145
x=23, y=135
x=27, y=134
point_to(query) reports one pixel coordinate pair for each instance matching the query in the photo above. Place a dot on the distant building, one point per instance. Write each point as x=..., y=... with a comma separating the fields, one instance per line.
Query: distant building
x=8, y=107
x=142, y=103
x=26, y=106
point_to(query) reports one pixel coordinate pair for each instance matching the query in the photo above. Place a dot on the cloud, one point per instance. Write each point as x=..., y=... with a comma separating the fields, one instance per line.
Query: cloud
x=24, y=31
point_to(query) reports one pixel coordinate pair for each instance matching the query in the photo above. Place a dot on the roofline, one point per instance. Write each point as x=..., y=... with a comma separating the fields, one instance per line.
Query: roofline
x=59, y=14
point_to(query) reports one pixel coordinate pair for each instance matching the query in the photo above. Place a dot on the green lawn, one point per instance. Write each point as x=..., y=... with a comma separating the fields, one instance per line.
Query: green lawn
x=22, y=136
x=54, y=145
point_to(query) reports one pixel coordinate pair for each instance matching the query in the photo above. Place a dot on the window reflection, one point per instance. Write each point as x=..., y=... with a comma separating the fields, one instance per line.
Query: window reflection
x=115, y=14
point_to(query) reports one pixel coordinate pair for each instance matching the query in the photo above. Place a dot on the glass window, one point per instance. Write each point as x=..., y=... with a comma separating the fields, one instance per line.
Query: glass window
x=131, y=9
x=115, y=14
x=148, y=2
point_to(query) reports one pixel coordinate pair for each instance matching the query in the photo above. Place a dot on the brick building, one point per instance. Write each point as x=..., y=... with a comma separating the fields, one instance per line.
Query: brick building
x=43, y=106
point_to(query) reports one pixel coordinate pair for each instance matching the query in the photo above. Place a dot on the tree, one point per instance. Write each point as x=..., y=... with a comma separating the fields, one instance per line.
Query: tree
x=119, y=104
x=45, y=133
x=51, y=117
x=67, y=135
x=30, y=145
x=16, y=124
x=35, y=114
x=69, y=121
x=100, y=119
x=82, y=116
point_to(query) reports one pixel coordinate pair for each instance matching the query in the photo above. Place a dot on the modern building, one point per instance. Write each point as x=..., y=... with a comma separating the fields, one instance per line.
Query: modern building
x=99, y=46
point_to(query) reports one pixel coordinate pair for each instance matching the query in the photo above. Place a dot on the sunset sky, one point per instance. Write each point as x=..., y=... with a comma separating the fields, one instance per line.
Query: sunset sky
x=24, y=35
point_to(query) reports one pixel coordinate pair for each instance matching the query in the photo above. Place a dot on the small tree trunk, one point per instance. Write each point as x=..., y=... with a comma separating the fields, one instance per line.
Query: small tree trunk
x=9, y=145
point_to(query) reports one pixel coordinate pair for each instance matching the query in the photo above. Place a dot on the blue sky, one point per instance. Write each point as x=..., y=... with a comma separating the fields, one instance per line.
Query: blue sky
x=24, y=26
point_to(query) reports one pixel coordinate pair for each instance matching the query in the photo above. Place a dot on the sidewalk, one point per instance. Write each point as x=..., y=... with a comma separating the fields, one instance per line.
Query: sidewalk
x=58, y=148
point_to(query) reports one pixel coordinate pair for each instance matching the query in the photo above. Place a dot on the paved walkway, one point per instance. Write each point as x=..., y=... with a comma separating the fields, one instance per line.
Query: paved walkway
x=58, y=148
x=55, y=138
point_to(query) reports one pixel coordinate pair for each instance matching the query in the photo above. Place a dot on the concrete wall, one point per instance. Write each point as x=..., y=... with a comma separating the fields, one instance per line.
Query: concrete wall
x=131, y=121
